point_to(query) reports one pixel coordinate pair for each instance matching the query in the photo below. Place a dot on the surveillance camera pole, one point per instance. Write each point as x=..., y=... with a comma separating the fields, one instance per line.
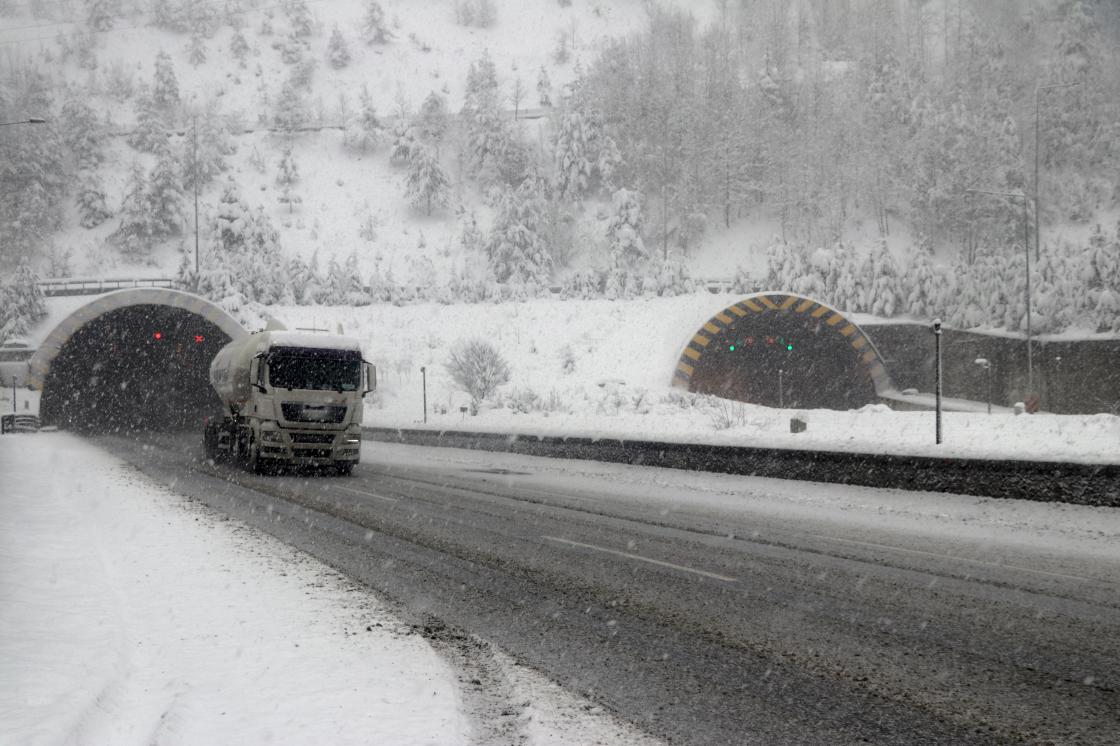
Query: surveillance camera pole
x=937, y=337
x=424, y=384
x=781, y=391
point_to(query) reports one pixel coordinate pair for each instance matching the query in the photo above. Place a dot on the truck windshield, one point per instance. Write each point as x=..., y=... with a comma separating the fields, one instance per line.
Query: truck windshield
x=315, y=371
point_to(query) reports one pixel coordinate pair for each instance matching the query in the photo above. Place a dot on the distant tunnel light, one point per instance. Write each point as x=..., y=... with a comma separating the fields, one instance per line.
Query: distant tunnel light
x=157, y=335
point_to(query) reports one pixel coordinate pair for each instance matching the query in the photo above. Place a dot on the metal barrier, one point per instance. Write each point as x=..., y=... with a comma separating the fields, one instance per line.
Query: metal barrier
x=96, y=286
x=1083, y=484
x=19, y=423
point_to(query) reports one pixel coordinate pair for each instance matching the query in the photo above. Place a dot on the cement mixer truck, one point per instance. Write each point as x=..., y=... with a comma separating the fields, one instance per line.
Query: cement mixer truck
x=289, y=399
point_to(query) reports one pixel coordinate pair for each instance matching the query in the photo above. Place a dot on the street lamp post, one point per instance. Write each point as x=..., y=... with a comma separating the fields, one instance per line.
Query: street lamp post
x=1037, y=90
x=424, y=384
x=937, y=388
x=1027, y=257
x=781, y=390
x=986, y=366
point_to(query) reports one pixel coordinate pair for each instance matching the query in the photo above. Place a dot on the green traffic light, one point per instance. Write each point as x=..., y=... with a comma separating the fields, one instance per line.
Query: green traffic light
x=732, y=348
x=789, y=347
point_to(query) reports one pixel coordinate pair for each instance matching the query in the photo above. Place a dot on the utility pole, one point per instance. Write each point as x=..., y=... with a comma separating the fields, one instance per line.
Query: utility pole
x=781, y=390
x=424, y=384
x=1038, y=89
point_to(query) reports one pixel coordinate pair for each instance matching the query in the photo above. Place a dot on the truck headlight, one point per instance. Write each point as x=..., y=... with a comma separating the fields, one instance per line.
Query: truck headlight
x=352, y=438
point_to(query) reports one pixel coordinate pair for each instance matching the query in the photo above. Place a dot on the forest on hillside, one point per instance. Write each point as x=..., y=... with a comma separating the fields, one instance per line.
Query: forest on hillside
x=817, y=115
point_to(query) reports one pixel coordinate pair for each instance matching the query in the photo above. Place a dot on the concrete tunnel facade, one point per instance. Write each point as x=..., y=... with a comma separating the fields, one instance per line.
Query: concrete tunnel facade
x=783, y=349
x=132, y=359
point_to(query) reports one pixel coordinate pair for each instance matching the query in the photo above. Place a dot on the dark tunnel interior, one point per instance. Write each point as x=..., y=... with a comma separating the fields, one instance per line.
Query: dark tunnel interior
x=144, y=367
x=785, y=359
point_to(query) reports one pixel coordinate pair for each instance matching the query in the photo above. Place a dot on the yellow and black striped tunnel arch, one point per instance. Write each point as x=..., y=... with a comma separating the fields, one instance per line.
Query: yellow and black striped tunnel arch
x=783, y=349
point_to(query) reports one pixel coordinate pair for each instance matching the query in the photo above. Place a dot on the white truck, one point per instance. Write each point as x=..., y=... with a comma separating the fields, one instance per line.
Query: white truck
x=289, y=399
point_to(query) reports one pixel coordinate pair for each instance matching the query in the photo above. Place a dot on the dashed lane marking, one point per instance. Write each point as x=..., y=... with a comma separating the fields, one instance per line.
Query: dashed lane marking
x=369, y=494
x=640, y=558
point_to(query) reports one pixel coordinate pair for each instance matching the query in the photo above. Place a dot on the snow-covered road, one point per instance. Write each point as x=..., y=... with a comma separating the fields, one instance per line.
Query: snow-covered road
x=130, y=615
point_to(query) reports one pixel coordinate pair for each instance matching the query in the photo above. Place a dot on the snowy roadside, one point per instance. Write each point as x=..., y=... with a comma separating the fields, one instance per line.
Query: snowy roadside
x=130, y=615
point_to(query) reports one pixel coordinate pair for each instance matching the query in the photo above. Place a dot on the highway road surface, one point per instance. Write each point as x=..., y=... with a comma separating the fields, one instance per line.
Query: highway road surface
x=712, y=609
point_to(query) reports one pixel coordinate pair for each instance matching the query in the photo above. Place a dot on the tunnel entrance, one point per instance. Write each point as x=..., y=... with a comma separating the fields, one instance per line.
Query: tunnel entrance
x=779, y=349
x=138, y=367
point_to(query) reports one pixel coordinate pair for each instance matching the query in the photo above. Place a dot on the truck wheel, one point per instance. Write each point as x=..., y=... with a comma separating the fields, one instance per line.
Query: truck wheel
x=344, y=468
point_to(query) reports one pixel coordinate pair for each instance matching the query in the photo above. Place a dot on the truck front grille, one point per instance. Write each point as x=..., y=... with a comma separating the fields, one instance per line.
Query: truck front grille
x=300, y=412
x=313, y=453
x=312, y=437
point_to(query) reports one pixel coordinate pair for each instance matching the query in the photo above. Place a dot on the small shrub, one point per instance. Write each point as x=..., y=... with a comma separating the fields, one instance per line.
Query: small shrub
x=728, y=414
x=478, y=368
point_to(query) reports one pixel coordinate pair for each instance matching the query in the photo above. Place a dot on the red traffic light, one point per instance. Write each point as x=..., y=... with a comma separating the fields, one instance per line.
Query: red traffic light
x=157, y=335
x=199, y=339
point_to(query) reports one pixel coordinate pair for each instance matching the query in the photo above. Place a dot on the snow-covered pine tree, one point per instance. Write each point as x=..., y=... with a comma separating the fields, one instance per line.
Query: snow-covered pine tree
x=882, y=293
x=204, y=148
x=338, y=51
x=627, y=251
x=374, y=26
x=133, y=235
x=196, y=50
x=168, y=15
x=201, y=19
x=165, y=86
x=427, y=184
x=92, y=209
x=516, y=248
x=299, y=16
x=83, y=133
x=919, y=288
x=101, y=14
x=544, y=88
x=404, y=142
x=151, y=126
x=286, y=178
x=432, y=121
x=289, y=112
x=21, y=302
x=363, y=128
x=487, y=134
x=239, y=48
x=165, y=195
x=585, y=155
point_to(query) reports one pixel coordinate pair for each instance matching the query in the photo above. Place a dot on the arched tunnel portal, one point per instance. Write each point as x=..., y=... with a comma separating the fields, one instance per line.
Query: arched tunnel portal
x=132, y=360
x=782, y=349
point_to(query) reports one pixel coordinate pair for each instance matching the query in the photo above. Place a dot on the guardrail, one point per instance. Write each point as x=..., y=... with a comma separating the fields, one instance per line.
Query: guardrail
x=94, y=286
x=1046, y=481
x=19, y=423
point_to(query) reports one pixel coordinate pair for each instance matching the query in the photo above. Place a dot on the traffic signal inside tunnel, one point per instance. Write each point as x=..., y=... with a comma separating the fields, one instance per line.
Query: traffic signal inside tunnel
x=783, y=358
x=134, y=368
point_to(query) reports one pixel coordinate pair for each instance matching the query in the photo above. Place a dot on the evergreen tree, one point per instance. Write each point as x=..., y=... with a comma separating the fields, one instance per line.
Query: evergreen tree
x=205, y=147
x=101, y=14
x=338, y=51
x=165, y=196
x=432, y=121
x=239, y=48
x=625, y=247
x=286, y=178
x=516, y=248
x=374, y=27
x=151, y=127
x=544, y=88
x=363, y=129
x=83, y=133
x=21, y=302
x=134, y=233
x=882, y=294
x=196, y=50
x=92, y=208
x=289, y=112
x=299, y=16
x=165, y=87
x=168, y=15
x=404, y=142
x=489, y=141
x=427, y=184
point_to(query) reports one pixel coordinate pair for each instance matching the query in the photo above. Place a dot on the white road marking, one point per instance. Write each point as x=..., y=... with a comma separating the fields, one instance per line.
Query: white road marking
x=640, y=558
x=951, y=557
x=369, y=494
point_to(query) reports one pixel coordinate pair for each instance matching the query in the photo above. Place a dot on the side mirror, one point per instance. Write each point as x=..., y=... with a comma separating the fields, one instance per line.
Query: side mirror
x=256, y=374
x=371, y=377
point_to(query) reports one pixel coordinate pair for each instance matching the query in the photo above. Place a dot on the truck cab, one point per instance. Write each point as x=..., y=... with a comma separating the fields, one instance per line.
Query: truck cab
x=290, y=399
